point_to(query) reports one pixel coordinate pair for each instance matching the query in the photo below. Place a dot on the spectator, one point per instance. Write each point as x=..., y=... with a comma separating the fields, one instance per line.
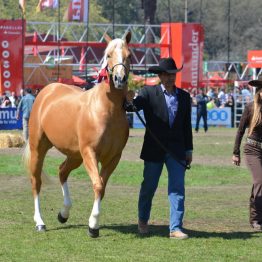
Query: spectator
x=246, y=94
x=37, y=92
x=5, y=101
x=230, y=103
x=222, y=96
x=25, y=105
x=14, y=99
x=210, y=93
x=202, y=101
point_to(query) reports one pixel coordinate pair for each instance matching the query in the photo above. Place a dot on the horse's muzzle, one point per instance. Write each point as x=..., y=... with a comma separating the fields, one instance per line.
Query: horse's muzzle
x=120, y=82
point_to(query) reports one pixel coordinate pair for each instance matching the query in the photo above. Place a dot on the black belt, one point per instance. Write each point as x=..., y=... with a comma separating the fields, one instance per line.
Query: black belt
x=254, y=143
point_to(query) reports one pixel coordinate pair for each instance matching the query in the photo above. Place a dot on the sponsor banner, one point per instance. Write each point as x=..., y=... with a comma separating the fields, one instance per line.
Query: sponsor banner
x=215, y=117
x=192, y=51
x=8, y=119
x=11, y=55
x=78, y=11
x=254, y=58
x=186, y=42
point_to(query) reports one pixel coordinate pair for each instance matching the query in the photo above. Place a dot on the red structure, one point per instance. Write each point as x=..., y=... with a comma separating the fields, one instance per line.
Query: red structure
x=11, y=55
x=186, y=42
x=182, y=41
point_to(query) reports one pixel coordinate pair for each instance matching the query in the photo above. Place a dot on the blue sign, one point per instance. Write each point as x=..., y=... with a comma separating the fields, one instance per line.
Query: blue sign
x=215, y=117
x=8, y=119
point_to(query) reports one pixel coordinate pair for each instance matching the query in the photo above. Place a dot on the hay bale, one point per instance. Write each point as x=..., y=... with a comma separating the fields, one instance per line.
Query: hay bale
x=11, y=140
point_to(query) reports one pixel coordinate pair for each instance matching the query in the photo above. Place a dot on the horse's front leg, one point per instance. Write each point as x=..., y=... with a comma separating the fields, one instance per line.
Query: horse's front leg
x=91, y=165
x=106, y=170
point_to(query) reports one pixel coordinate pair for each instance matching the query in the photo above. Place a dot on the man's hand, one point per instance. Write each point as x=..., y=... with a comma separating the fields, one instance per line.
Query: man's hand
x=236, y=160
x=130, y=96
x=189, y=158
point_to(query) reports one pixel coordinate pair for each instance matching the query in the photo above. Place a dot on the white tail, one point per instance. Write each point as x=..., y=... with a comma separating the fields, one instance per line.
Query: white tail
x=26, y=157
x=26, y=160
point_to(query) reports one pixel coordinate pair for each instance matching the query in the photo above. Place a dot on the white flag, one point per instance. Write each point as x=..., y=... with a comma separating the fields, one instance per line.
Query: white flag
x=22, y=5
x=47, y=4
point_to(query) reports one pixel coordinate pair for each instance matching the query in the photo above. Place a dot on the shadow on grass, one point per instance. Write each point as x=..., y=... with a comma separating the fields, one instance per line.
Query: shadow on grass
x=65, y=227
x=163, y=231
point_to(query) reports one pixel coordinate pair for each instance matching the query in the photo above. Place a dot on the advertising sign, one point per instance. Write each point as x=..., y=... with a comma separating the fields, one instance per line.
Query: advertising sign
x=8, y=119
x=254, y=58
x=186, y=42
x=11, y=55
x=215, y=117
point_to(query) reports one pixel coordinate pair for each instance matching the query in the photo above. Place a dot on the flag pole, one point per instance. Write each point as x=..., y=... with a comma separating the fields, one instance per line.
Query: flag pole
x=87, y=34
x=23, y=41
x=58, y=43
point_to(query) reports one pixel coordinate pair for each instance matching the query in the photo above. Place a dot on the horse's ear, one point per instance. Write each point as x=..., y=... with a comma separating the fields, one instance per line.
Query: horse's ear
x=107, y=38
x=128, y=37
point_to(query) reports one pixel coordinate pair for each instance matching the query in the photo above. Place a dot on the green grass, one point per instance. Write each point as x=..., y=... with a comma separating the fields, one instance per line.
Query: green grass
x=216, y=212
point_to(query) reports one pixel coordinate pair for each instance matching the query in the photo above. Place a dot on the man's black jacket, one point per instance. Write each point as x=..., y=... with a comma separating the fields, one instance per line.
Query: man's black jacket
x=178, y=138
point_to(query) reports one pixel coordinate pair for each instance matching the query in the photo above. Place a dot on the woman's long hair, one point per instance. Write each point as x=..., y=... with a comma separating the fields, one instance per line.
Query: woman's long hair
x=256, y=118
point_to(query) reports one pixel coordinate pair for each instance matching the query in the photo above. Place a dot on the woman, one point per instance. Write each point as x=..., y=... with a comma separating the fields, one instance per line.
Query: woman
x=252, y=118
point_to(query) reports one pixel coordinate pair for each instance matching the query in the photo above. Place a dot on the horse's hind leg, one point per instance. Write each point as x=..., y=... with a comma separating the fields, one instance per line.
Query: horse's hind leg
x=35, y=163
x=64, y=170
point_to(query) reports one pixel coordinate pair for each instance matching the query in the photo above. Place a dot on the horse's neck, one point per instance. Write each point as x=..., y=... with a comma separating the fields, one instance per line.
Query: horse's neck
x=111, y=97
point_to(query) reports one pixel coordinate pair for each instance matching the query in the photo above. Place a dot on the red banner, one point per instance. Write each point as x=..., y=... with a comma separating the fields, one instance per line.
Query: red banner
x=186, y=42
x=254, y=58
x=78, y=11
x=11, y=55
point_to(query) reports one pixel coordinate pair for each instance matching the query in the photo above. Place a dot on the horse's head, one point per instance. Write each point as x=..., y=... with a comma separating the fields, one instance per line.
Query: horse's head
x=117, y=60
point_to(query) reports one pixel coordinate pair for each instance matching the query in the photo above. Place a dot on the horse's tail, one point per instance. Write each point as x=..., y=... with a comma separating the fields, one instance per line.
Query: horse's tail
x=26, y=161
x=26, y=157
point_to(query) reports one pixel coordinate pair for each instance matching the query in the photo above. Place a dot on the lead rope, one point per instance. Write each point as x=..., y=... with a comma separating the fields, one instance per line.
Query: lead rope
x=186, y=166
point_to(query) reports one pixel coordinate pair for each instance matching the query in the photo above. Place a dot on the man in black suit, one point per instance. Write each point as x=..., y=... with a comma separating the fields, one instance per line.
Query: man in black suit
x=167, y=111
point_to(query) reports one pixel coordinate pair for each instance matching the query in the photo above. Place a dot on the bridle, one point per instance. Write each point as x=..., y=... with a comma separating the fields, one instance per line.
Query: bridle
x=110, y=70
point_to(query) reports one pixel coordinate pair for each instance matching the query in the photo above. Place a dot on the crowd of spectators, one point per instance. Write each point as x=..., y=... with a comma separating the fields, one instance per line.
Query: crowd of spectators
x=222, y=97
x=235, y=98
x=11, y=99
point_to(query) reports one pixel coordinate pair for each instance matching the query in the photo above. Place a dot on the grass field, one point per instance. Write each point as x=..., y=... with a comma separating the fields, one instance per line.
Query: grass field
x=216, y=216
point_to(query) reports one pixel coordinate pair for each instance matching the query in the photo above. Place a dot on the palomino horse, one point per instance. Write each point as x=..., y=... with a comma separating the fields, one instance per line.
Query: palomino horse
x=88, y=127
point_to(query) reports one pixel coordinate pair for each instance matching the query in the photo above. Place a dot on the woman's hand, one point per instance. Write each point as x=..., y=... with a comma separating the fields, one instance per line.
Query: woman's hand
x=236, y=160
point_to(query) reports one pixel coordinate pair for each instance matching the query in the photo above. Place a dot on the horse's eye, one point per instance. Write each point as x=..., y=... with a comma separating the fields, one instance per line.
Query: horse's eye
x=108, y=56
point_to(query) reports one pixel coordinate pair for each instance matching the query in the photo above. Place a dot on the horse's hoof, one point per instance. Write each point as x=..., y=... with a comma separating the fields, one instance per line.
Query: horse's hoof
x=61, y=219
x=93, y=232
x=40, y=228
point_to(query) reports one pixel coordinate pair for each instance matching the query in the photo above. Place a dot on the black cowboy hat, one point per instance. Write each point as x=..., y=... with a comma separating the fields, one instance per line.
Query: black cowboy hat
x=166, y=65
x=256, y=83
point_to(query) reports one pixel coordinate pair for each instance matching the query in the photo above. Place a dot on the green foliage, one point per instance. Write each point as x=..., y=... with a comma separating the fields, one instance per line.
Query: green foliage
x=228, y=33
x=10, y=10
x=134, y=84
